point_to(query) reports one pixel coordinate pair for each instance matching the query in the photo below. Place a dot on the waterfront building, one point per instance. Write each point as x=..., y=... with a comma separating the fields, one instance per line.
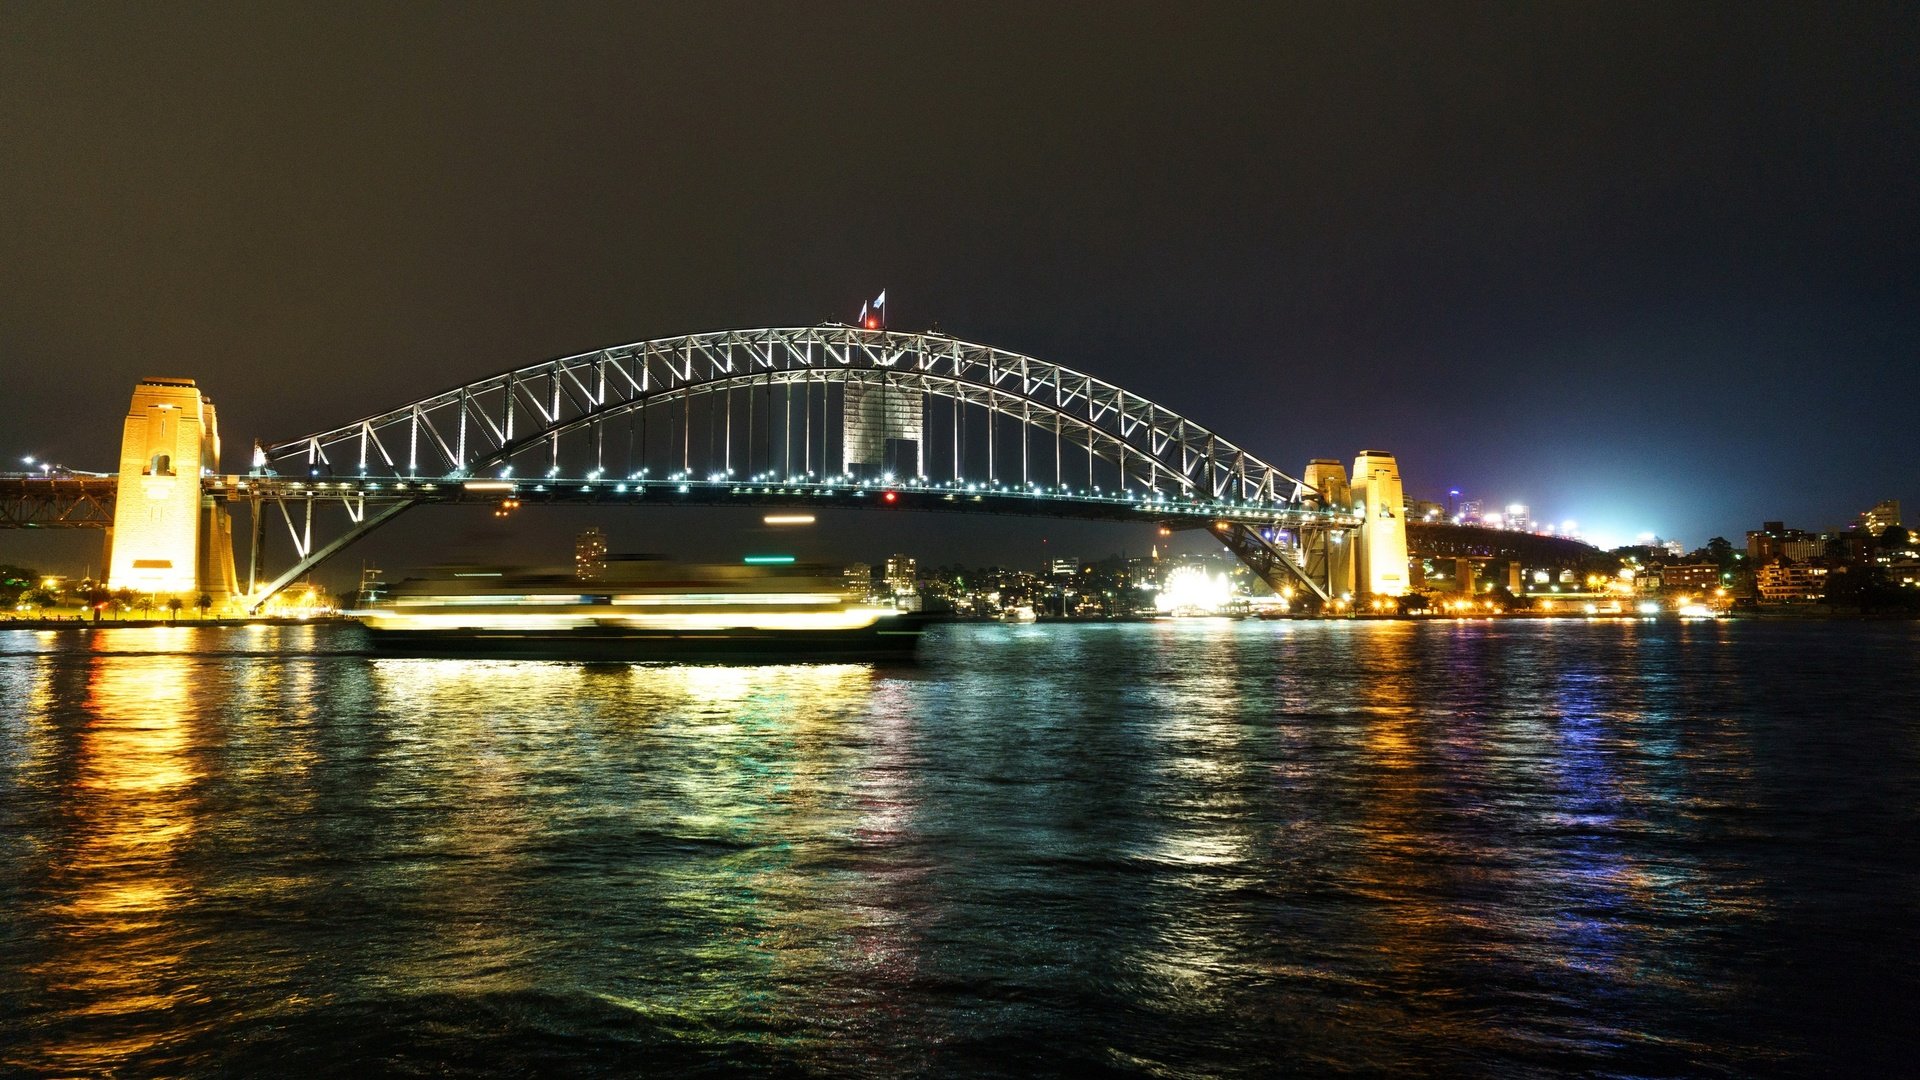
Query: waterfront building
x=1785, y=582
x=1689, y=577
x=590, y=555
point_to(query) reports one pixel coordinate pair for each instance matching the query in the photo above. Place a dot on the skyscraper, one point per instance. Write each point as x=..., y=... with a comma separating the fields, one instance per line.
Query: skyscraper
x=590, y=555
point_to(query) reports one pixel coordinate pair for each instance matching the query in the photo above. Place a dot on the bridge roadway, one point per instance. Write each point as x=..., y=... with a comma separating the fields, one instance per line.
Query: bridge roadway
x=832, y=493
x=38, y=501
x=60, y=501
x=73, y=502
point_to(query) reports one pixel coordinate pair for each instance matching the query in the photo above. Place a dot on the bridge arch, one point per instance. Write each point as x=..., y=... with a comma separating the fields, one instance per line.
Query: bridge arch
x=504, y=418
x=1059, y=442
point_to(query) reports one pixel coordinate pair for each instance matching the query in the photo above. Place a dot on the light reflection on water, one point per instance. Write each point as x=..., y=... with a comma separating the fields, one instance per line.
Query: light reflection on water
x=118, y=957
x=1190, y=848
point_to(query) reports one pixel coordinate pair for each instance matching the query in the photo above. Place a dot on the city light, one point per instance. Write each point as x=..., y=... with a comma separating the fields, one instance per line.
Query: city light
x=767, y=560
x=1191, y=590
x=787, y=519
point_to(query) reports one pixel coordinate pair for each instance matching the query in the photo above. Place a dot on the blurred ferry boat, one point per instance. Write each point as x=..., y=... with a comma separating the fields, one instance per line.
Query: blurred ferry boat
x=639, y=609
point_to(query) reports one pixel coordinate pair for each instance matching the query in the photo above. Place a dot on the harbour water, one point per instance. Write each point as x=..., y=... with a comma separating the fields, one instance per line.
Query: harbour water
x=1179, y=849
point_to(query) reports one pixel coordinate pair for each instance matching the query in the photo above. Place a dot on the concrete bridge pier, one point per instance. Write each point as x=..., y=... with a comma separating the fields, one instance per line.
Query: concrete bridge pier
x=169, y=536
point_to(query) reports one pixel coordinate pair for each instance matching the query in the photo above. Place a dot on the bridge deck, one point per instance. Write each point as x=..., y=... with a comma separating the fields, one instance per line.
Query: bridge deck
x=933, y=495
x=39, y=501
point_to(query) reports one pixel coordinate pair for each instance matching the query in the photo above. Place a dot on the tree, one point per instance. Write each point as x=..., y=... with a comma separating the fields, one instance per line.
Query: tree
x=1720, y=552
x=1867, y=589
x=124, y=599
x=203, y=602
x=1895, y=538
x=1836, y=550
x=39, y=598
x=1504, y=596
x=174, y=604
x=15, y=581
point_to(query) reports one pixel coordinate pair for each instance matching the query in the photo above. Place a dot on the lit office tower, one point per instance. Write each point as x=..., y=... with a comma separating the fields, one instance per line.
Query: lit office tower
x=1884, y=513
x=590, y=555
x=1380, y=551
x=901, y=573
x=883, y=429
x=167, y=536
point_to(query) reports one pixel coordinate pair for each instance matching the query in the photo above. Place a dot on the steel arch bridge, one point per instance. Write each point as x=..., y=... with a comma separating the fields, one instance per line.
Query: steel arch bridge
x=763, y=416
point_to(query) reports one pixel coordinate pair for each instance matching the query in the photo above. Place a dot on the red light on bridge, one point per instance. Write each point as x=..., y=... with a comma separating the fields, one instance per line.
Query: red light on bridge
x=891, y=497
x=873, y=323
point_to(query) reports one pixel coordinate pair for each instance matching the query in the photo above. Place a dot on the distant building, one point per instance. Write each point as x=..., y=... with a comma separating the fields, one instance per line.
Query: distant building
x=590, y=555
x=902, y=574
x=1674, y=547
x=1857, y=546
x=859, y=579
x=1782, y=583
x=1063, y=567
x=1774, y=541
x=1690, y=577
x=1885, y=513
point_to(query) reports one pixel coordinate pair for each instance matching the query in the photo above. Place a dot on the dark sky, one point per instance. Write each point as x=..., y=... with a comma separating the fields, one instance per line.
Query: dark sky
x=1649, y=266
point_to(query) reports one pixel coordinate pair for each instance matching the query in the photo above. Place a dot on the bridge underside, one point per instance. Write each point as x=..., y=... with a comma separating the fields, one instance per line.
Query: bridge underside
x=366, y=507
x=56, y=502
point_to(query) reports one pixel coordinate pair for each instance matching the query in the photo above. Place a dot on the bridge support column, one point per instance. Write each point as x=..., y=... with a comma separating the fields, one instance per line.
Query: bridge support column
x=1331, y=550
x=1515, y=577
x=1380, y=550
x=256, y=527
x=1465, y=570
x=168, y=536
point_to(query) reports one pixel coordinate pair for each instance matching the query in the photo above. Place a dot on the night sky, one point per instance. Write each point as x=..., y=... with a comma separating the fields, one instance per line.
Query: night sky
x=1647, y=266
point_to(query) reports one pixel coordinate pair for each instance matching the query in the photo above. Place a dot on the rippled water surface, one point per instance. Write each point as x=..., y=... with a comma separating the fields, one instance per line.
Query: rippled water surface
x=1188, y=849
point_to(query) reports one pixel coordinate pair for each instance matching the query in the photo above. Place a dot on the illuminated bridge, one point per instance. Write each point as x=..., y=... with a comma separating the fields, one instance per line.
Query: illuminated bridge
x=825, y=416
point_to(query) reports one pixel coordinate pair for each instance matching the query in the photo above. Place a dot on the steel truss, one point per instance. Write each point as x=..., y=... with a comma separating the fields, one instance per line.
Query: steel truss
x=1073, y=437
x=33, y=501
x=467, y=430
